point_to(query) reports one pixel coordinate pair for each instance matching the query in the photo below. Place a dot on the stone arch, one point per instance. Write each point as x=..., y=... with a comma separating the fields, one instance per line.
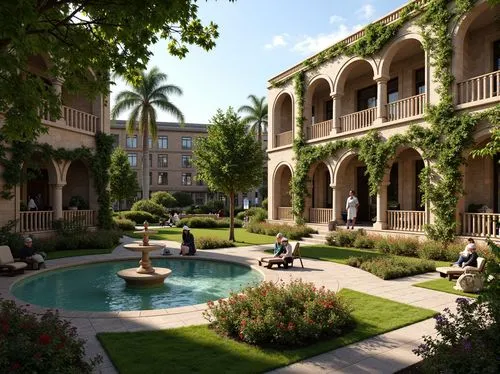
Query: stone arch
x=347, y=68
x=282, y=177
x=394, y=48
x=317, y=99
x=283, y=114
x=78, y=181
x=43, y=175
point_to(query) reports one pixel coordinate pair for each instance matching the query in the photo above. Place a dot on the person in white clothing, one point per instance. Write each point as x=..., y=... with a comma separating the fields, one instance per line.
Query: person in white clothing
x=351, y=205
x=31, y=204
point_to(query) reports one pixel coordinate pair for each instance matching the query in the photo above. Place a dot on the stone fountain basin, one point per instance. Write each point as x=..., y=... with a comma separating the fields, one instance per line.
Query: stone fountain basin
x=138, y=247
x=133, y=278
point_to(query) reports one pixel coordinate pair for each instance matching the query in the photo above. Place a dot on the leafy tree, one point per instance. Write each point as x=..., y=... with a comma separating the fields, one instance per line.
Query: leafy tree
x=164, y=198
x=183, y=198
x=85, y=40
x=229, y=159
x=122, y=179
x=256, y=115
x=147, y=94
x=492, y=148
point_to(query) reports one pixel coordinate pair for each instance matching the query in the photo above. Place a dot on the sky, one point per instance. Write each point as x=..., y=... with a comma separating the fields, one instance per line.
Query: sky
x=258, y=40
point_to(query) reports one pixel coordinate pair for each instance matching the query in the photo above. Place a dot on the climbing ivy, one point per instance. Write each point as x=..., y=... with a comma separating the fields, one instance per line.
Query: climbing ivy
x=442, y=144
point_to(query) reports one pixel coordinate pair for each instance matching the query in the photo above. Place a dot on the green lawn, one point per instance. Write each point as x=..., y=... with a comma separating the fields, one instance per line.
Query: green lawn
x=443, y=285
x=242, y=236
x=340, y=255
x=198, y=349
x=77, y=252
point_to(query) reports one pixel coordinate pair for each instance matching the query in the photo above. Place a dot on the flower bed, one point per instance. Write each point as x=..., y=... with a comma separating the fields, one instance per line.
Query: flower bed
x=392, y=267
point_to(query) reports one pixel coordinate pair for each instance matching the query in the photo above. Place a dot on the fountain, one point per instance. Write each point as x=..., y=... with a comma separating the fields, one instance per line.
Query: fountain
x=145, y=274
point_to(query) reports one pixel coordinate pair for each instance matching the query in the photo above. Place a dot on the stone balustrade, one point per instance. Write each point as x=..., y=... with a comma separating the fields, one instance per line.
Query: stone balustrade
x=406, y=108
x=320, y=215
x=481, y=224
x=406, y=220
x=483, y=87
x=358, y=120
x=285, y=138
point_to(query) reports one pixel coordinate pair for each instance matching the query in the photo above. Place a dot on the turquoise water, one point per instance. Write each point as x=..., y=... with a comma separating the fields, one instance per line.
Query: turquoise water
x=96, y=287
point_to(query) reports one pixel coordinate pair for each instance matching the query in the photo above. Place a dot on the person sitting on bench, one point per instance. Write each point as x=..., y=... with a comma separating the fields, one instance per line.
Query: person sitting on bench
x=29, y=255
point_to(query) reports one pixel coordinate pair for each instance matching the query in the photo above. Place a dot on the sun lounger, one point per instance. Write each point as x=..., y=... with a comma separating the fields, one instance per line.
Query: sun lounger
x=454, y=272
x=7, y=263
x=283, y=261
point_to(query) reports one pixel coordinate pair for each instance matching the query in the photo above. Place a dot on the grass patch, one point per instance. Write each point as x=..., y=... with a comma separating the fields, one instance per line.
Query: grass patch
x=242, y=236
x=443, y=285
x=77, y=252
x=198, y=349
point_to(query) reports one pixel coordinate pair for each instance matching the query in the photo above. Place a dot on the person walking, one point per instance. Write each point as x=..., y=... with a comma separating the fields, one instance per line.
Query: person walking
x=351, y=205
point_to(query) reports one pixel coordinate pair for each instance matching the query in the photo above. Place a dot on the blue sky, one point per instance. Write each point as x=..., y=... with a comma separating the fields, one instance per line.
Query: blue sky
x=258, y=39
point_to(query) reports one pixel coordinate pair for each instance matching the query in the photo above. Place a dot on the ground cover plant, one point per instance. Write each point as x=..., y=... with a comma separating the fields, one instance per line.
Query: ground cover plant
x=443, y=285
x=391, y=267
x=292, y=232
x=200, y=349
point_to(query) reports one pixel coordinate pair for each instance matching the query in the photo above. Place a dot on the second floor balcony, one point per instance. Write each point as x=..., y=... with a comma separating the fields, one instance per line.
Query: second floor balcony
x=73, y=119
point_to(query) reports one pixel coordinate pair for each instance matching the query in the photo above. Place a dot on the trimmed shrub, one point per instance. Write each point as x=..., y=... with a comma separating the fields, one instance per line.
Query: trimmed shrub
x=214, y=205
x=149, y=206
x=183, y=198
x=212, y=243
x=124, y=224
x=46, y=344
x=224, y=222
x=296, y=232
x=207, y=222
x=164, y=199
x=398, y=246
x=431, y=250
x=343, y=238
x=279, y=314
x=364, y=241
x=392, y=267
x=138, y=217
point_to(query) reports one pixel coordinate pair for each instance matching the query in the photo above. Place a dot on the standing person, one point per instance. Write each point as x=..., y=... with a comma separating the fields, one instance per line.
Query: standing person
x=187, y=246
x=29, y=255
x=31, y=204
x=351, y=205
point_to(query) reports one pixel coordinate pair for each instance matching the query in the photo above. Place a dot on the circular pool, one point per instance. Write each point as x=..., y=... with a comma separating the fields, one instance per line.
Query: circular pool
x=96, y=287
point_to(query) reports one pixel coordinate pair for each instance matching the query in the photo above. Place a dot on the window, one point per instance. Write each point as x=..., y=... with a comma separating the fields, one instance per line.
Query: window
x=186, y=179
x=132, y=141
x=419, y=81
x=187, y=142
x=132, y=159
x=163, y=178
x=392, y=90
x=186, y=161
x=162, y=161
x=367, y=97
x=163, y=142
x=150, y=143
x=496, y=55
x=329, y=109
x=150, y=160
x=116, y=140
x=150, y=180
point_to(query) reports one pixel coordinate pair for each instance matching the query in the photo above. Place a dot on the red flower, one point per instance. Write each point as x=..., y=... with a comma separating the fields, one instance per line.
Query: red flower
x=44, y=339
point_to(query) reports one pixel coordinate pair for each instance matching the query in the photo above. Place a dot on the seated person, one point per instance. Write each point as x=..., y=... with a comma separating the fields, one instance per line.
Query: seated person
x=277, y=243
x=187, y=246
x=465, y=254
x=285, y=250
x=29, y=255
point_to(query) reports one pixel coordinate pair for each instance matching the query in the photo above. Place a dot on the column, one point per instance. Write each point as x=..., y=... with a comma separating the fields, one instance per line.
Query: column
x=336, y=97
x=381, y=223
x=381, y=100
x=57, y=199
x=57, y=84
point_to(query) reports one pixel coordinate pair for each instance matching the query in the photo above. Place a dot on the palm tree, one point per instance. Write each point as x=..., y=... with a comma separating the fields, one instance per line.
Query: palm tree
x=256, y=115
x=147, y=94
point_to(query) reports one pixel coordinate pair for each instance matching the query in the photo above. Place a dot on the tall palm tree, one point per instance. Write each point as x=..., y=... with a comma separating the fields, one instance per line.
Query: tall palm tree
x=256, y=115
x=147, y=94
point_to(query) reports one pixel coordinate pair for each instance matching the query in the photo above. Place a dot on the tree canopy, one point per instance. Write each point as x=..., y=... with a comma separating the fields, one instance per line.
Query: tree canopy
x=229, y=159
x=81, y=42
x=122, y=179
x=256, y=115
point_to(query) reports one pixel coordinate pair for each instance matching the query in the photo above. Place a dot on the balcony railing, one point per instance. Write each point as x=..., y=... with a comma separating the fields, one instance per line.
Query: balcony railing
x=86, y=217
x=481, y=224
x=320, y=215
x=358, y=120
x=406, y=108
x=40, y=220
x=479, y=88
x=406, y=220
x=79, y=120
x=285, y=138
x=285, y=213
x=319, y=130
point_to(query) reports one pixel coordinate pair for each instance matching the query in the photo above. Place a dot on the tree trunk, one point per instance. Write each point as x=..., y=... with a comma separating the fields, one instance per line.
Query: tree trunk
x=145, y=163
x=259, y=133
x=231, y=216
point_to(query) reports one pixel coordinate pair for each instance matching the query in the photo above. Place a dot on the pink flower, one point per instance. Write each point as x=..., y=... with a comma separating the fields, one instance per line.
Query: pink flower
x=44, y=339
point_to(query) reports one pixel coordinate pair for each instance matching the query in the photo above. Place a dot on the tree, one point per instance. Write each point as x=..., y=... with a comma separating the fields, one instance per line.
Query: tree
x=85, y=41
x=229, y=159
x=256, y=115
x=164, y=198
x=147, y=94
x=183, y=198
x=122, y=179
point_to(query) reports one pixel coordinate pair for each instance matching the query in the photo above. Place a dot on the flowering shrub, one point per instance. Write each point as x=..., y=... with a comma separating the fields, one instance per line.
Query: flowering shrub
x=46, y=344
x=392, y=267
x=295, y=232
x=290, y=314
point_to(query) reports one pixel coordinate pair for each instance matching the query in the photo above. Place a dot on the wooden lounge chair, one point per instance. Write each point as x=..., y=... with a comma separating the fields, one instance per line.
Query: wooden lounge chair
x=283, y=261
x=7, y=263
x=454, y=272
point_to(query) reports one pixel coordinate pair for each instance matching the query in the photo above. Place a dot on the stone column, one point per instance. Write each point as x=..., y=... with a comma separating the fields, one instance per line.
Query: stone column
x=337, y=98
x=335, y=208
x=57, y=199
x=381, y=100
x=381, y=223
x=57, y=84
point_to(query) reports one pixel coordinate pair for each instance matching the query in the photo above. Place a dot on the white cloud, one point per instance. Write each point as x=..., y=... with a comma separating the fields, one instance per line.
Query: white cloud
x=336, y=19
x=365, y=12
x=311, y=44
x=278, y=41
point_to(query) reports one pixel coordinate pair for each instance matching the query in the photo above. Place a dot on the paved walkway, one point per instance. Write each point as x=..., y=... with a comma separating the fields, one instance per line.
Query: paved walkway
x=385, y=353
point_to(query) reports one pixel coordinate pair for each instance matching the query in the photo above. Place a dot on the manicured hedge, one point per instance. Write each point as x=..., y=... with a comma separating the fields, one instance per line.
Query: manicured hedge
x=212, y=243
x=295, y=232
x=391, y=267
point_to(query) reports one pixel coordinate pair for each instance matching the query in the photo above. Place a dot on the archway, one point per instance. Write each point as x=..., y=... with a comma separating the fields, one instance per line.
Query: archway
x=318, y=108
x=282, y=199
x=77, y=186
x=39, y=175
x=319, y=202
x=283, y=120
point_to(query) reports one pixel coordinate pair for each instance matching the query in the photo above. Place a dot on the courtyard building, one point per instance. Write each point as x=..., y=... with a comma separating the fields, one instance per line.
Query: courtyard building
x=346, y=97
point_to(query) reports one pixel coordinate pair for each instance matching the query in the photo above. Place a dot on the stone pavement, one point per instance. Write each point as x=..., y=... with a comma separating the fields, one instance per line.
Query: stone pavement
x=385, y=353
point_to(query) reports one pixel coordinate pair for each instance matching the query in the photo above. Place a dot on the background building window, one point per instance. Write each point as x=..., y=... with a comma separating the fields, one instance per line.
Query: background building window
x=150, y=160
x=163, y=142
x=186, y=179
x=162, y=178
x=132, y=159
x=162, y=161
x=367, y=97
x=132, y=141
x=187, y=142
x=186, y=161
x=116, y=140
x=419, y=81
x=150, y=180
x=392, y=90
x=150, y=143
